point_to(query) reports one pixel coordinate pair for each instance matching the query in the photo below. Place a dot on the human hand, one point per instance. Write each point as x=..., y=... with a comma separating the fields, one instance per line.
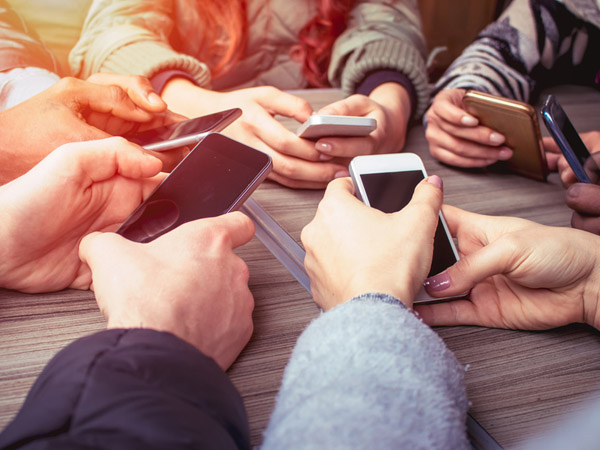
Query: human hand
x=521, y=275
x=556, y=160
x=456, y=138
x=389, y=104
x=188, y=282
x=79, y=188
x=296, y=162
x=352, y=249
x=584, y=200
x=72, y=111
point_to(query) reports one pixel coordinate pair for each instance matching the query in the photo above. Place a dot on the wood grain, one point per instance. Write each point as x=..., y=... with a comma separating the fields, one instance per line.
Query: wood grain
x=518, y=382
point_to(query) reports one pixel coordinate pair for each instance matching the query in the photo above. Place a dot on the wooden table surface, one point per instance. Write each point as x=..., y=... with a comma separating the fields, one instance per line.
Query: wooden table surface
x=518, y=382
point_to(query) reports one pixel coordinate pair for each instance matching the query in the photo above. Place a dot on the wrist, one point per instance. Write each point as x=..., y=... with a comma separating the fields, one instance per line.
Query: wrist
x=184, y=97
x=394, y=98
x=591, y=297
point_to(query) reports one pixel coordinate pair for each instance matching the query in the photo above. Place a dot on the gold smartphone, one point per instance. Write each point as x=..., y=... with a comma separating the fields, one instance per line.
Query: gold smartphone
x=518, y=122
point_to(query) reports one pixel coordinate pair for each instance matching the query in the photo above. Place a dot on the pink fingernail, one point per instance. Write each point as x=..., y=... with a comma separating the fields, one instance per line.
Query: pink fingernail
x=496, y=138
x=469, y=121
x=341, y=174
x=505, y=154
x=436, y=181
x=154, y=99
x=438, y=282
x=323, y=147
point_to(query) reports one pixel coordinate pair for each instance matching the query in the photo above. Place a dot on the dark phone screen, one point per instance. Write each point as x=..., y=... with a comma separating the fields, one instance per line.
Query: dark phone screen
x=557, y=115
x=207, y=183
x=189, y=127
x=390, y=192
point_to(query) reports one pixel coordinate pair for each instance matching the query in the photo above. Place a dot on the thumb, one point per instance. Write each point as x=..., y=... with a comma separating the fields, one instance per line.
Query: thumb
x=493, y=259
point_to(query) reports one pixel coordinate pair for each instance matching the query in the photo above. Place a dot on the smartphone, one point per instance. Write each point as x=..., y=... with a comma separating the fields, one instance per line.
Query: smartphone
x=318, y=126
x=386, y=182
x=216, y=177
x=188, y=132
x=566, y=137
x=518, y=122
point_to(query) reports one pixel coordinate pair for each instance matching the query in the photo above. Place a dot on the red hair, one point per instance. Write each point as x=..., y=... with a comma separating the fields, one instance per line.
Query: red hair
x=225, y=33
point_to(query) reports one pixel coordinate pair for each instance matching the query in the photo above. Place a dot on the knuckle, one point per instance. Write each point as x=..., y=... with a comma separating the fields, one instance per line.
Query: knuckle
x=117, y=94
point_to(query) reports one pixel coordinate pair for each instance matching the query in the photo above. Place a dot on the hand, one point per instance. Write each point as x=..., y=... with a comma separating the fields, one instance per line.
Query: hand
x=389, y=104
x=584, y=200
x=296, y=162
x=521, y=275
x=77, y=189
x=71, y=111
x=188, y=282
x=456, y=138
x=352, y=249
x=556, y=161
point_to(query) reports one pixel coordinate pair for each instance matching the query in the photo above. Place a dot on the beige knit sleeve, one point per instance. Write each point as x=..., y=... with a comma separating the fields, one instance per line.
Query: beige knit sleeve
x=382, y=35
x=131, y=37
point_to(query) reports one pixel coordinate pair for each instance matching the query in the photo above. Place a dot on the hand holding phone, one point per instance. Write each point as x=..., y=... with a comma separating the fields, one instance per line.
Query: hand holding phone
x=566, y=137
x=318, y=126
x=517, y=121
x=215, y=178
x=387, y=182
x=188, y=132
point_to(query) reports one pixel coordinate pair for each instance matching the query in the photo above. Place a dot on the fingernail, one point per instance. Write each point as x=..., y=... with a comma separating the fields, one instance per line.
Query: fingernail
x=438, y=282
x=154, y=98
x=505, y=154
x=496, y=138
x=341, y=174
x=323, y=157
x=469, y=121
x=436, y=181
x=323, y=147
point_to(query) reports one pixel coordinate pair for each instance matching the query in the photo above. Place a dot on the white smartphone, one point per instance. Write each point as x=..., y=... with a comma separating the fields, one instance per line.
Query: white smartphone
x=386, y=182
x=318, y=126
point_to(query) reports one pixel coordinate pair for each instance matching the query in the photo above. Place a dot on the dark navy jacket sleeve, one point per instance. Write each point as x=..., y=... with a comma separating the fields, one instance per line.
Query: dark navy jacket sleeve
x=130, y=389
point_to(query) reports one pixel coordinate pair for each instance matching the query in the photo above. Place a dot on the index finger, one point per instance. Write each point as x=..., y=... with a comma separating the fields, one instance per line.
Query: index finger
x=445, y=108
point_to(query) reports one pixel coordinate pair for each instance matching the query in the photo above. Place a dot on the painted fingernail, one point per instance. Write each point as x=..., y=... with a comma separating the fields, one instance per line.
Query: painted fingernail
x=323, y=147
x=436, y=181
x=324, y=157
x=505, y=154
x=341, y=174
x=154, y=98
x=496, y=138
x=469, y=121
x=438, y=282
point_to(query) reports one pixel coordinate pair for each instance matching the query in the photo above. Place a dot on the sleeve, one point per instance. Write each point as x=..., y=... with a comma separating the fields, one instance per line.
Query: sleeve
x=130, y=389
x=381, y=35
x=370, y=374
x=131, y=37
x=533, y=44
x=19, y=45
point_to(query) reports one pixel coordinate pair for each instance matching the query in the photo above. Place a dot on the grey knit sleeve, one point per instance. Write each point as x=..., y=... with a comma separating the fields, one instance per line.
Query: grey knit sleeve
x=369, y=374
x=381, y=35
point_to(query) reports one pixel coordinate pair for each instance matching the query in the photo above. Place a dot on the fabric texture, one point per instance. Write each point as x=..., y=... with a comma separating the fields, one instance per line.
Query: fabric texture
x=124, y=36
x=130, y=389
x=534, y=44
x=369, y=374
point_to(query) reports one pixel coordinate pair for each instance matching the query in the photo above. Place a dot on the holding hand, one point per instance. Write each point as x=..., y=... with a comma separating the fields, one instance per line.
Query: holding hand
x=296, y=162
x=188, y=282
x=521, y=275
x=352, y=249
x=77, y=189
x=456, y=138
x=72, y=111
x=389, y=104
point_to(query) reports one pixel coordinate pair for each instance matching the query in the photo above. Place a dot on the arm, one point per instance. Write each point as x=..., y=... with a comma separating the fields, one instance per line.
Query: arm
x=130, y=37
x=369, y=371
x=103, y=381
x=382, y=35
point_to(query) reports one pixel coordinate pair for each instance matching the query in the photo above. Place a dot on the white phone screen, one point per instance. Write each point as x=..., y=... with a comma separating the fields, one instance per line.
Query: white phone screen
x=390, y=192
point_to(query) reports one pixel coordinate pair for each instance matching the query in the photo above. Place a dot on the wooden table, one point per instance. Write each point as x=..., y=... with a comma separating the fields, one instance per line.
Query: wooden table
x=518, y=382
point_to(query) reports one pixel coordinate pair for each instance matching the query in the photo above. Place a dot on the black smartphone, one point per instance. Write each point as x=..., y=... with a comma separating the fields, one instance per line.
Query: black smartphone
x=215, y=178
x=386, y=182
x=566, y=137
x=187, y=132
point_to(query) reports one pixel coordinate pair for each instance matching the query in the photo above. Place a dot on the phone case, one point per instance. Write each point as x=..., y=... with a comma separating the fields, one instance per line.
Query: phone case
x=518, y=122
x=318, y=126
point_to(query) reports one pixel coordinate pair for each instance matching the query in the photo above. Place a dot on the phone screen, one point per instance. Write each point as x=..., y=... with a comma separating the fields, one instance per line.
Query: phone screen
x=191, y=127
x=390, y=192
x=215, y=178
